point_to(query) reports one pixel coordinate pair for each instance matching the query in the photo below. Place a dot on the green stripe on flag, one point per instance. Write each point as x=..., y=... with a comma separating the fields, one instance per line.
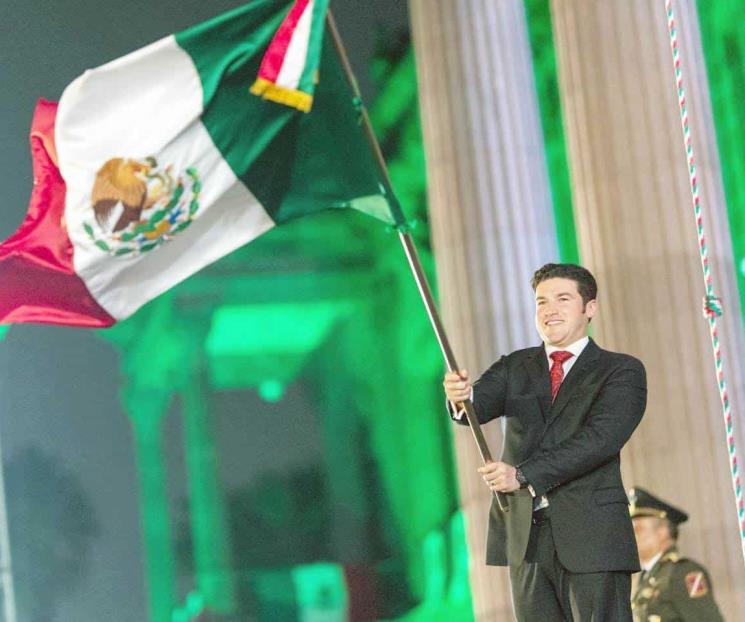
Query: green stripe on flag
x=320, y=7
x=220, y=46
x=293, y=163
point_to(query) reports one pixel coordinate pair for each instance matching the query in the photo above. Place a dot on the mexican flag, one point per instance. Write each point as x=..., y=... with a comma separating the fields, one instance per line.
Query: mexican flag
x=160, y=162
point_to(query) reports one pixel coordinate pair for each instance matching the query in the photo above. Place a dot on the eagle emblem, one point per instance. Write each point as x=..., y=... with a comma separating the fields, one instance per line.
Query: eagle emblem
x=138, y=205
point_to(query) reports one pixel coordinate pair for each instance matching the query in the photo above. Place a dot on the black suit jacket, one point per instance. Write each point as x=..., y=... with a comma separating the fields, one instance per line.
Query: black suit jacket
x=569, y=451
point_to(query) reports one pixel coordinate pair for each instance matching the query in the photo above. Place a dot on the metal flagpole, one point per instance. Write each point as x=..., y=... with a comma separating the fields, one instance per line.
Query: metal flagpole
x=411, y=252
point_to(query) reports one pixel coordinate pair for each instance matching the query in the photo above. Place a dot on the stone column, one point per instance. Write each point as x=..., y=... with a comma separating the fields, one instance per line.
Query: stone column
x=209, y=521
x=636, y=232
x=490, y=212
x=148, y=388
x=146, y=409
x=344, y=441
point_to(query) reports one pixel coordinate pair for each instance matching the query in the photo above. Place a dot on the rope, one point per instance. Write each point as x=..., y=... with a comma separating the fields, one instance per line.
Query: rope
x=712, y=306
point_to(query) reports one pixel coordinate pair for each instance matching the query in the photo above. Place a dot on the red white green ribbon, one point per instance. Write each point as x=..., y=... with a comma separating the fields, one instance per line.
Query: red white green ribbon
x=712, y=304
x=288, y=71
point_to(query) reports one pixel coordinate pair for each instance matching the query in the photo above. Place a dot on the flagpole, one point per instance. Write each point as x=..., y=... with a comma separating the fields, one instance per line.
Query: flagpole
x=411, y=253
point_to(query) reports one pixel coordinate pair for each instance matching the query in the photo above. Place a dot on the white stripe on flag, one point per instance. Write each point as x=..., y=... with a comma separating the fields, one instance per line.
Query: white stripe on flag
x=148, y=104
x=297, y=51
x=229, y=216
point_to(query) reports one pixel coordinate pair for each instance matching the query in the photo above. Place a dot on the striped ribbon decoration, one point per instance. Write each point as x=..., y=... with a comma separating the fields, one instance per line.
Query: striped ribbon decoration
x=289, y=68
x=712, y=304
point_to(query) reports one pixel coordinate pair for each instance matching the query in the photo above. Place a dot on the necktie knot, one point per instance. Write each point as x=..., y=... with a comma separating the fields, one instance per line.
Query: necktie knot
x=557, y=371
x=560, y=356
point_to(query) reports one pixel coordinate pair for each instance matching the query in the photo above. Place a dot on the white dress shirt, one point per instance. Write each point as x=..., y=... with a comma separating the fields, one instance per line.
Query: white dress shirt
x=576, y=349
x=651, y=563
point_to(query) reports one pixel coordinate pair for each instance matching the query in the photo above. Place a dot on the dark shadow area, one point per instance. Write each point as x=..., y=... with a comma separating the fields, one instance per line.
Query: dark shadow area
x=52, y=527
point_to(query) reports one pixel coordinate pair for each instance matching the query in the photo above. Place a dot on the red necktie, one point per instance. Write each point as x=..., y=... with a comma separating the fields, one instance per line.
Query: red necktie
x=557, y=370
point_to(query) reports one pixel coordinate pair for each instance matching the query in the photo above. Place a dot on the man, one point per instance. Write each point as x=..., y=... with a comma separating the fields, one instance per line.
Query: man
x=671, y=587
x=568, y=408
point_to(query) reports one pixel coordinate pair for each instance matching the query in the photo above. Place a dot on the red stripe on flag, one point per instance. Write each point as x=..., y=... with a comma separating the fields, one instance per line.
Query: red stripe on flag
x=37, y=279
x=271, y=64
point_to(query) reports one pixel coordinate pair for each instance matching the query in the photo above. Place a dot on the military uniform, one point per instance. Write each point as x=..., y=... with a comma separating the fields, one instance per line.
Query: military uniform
x=676, y=589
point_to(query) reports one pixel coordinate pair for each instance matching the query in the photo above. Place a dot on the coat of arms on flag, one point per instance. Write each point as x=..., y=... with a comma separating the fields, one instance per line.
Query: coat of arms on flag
x=166, y=150
x=138, y=205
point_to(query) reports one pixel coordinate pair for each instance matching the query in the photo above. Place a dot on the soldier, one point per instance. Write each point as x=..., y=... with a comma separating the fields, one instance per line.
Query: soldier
x=670, y=588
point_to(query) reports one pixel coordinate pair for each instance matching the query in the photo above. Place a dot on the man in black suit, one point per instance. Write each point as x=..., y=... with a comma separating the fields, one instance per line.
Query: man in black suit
x=568, y=407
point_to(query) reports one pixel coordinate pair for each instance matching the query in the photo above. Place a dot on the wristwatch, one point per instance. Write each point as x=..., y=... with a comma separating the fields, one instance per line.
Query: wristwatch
x=521, y=479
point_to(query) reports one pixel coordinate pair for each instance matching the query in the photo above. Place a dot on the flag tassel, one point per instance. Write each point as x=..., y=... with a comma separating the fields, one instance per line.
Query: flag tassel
x=267, y=89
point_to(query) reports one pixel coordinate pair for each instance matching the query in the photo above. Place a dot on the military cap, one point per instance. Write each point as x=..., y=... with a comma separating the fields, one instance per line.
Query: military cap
x=644, y=503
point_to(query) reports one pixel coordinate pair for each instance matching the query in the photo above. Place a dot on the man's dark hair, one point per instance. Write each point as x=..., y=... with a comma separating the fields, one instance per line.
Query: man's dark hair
x=672, y=529
x=586, y=284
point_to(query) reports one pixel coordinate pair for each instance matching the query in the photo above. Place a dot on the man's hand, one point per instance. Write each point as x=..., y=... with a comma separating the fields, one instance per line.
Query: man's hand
x=500, y=476
x=457, y=386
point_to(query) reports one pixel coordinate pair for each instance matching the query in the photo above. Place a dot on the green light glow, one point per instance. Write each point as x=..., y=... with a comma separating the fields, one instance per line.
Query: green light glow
x=146, y=418
x=194, y=606
x=247, y=330
x=544, y=68
x=210, y=536
x=271, y=390
x=435, y=559
x=723, y=40
x=459, y=590
x=321, y=592
x=266, y=346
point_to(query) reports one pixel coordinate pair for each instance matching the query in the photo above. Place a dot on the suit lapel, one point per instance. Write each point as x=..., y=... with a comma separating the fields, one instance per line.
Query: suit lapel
x=537, y=367
x=574, y=378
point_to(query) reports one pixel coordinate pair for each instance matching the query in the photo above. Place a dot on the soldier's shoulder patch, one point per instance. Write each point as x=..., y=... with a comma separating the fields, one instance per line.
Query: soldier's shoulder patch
x=696, y=584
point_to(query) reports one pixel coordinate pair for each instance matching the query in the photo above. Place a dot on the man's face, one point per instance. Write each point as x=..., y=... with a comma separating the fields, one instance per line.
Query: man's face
x=560, y=315
x=651, y=536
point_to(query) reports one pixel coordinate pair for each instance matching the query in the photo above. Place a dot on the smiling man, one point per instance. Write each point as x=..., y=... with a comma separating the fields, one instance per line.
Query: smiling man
x=568, y=408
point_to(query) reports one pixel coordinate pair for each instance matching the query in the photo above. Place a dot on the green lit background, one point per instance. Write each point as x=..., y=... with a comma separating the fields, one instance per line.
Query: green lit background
x=274, y=425
x=724, y=52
